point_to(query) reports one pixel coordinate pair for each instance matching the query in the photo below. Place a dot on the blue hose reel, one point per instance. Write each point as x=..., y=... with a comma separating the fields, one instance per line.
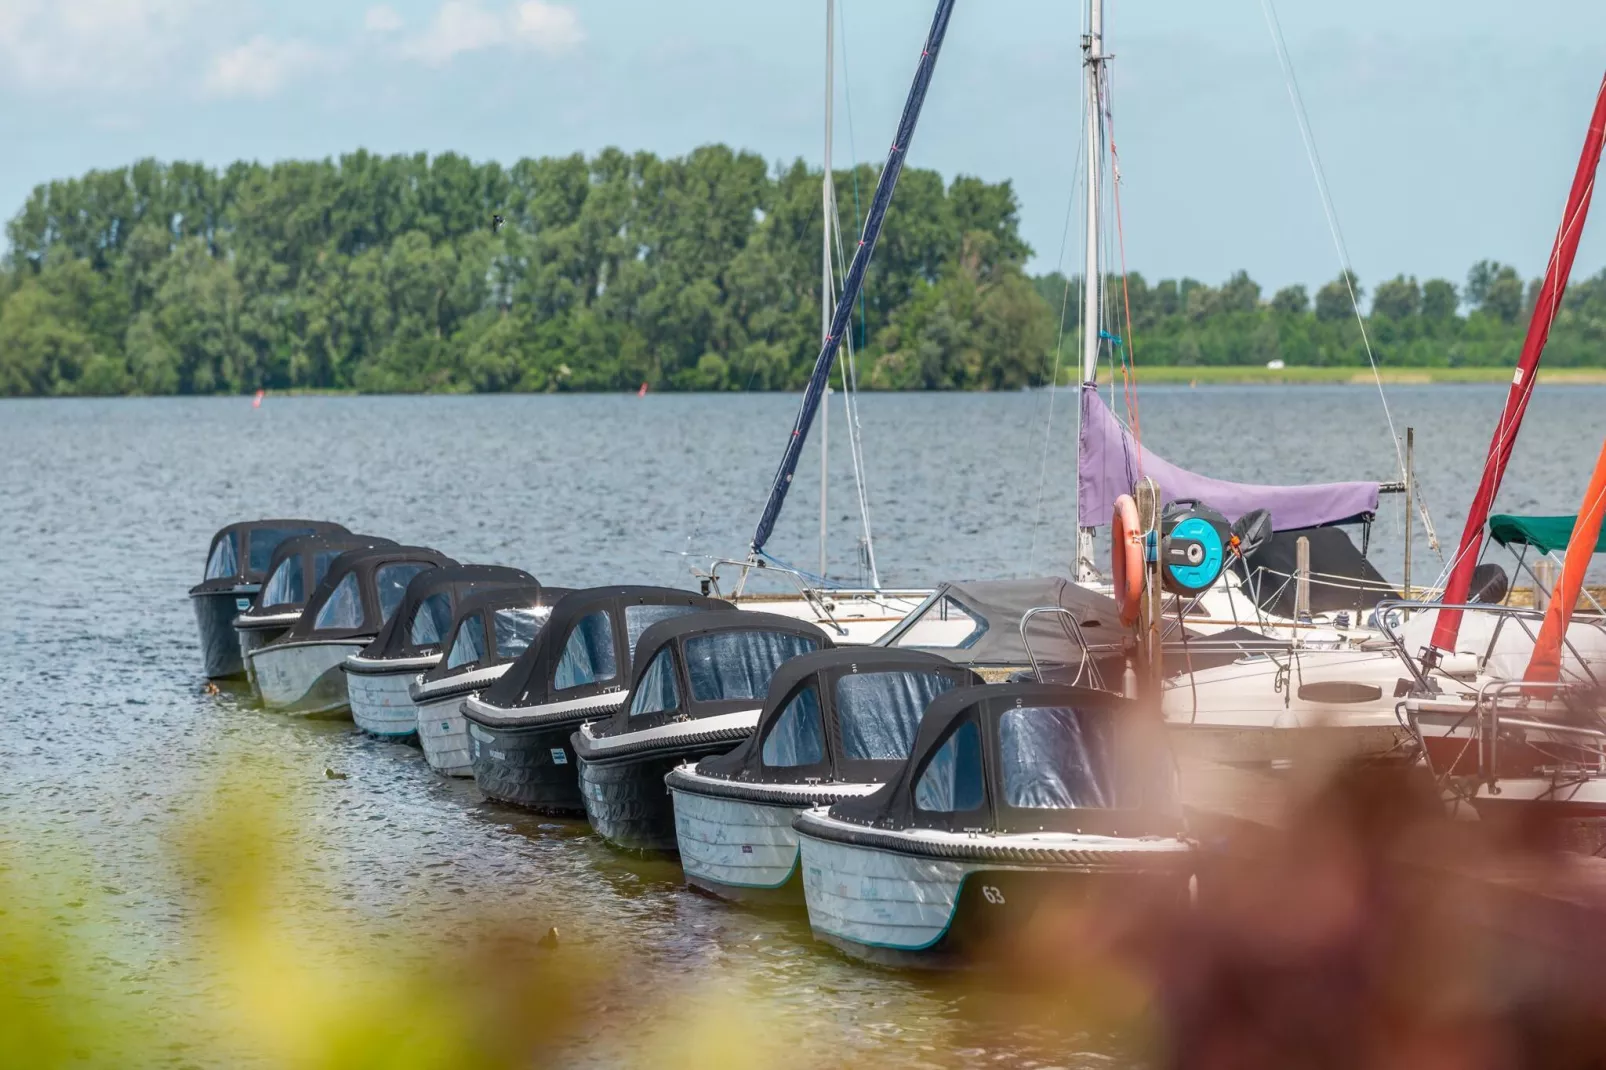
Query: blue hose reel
x=1194, y=544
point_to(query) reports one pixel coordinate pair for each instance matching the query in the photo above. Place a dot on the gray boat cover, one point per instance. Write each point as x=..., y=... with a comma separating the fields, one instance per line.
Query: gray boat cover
x=1110, y=463
x=1000, y=605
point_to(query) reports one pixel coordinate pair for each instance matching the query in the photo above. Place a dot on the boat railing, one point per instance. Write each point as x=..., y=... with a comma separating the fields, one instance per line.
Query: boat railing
x=809, y=588
x=1073, y=631
x=1392, y=614
x=1490, y=718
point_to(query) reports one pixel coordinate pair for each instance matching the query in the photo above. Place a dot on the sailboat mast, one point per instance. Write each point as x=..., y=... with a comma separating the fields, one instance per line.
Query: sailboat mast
x=827, y=304
x=1092, y=282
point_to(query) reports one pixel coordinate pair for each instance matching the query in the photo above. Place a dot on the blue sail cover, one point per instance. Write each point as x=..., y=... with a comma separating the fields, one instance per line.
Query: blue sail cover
x=843, y=316
x=1109, y=463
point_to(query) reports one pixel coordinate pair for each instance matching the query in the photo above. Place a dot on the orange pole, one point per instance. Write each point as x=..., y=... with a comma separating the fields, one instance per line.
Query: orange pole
x=1545, y=664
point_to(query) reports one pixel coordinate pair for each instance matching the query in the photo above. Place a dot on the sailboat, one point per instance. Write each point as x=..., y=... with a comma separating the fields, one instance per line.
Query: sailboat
x=851, y=615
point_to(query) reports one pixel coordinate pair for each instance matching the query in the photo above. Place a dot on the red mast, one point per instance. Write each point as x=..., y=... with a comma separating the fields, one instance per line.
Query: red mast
x=1522, y=383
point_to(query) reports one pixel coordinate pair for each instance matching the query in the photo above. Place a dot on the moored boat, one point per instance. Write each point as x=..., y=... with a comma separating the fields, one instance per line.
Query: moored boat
x=1018, y=798
x=298, y=567
x=578, y=669
x=236, y=564
x=491, y=629
x=300, y=672
x=379, y=677
x=699, y=688
x=836, y=724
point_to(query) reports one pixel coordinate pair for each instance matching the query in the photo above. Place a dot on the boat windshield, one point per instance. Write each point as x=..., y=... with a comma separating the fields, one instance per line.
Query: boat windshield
x=639, y=618
x=1055, y=758
x=656, y=691
x=952, y=781
x=738, y=665
x=879, y=712
x=945, y=623
x=344, y=608
x=225, y=559
x=286, y=587
x=516, y=628
x=321, y=563
x=468, y=646
x=264, y=541
x=432, y=621
x=797, y=737
x=588, y=655
x=391, y=582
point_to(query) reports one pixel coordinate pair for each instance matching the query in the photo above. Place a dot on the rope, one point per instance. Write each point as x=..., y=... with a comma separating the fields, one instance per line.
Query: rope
x=1268, y=7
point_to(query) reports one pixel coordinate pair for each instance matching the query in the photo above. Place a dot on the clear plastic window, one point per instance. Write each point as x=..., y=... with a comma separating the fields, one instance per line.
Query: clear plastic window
x=225, y=559
x=264, y=541
x=1054, y=758
x=952, y=781
x=639, y=618
x=390, y=582
x=656, y=690
x=468, y=645
x=516, y=628
x=344, y=608
x=738, y=665
x=286, y=587
x=320, y=565
x=798, y=737
x=879, y=712
x=944, y=624
x=588, y=655
x=432, y=622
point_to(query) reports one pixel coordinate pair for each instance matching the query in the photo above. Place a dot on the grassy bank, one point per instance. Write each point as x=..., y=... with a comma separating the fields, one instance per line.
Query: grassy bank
x=1248, y=375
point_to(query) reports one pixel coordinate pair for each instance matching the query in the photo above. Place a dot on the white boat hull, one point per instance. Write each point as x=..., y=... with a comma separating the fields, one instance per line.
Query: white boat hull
x=381, y=703
x=850, y=618
x=733, y=847
x=443, y=735
x=304, y=678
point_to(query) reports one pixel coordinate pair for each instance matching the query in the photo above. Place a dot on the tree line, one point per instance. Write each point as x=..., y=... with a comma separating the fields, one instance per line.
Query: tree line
x=701, y=272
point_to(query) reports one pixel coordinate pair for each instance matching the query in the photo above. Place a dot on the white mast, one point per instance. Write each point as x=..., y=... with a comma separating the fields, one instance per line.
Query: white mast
x=1092, y=282
x=827, y=283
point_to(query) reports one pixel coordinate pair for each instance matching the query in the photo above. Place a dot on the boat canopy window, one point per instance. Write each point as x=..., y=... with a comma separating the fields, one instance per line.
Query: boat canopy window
x=432, y=621
x=798, y=737
x=344, y=608
x=656, y=691
x=588, y=655
x=391, y=582
x=639, y=618
x=952, y=781
x=739, y=665
x=516, y=628
x=225, y=559
x=468, y=645
x=879, y=712
x=944, y=623
x=286, y=587
x=1054, y=758
x=321, y=563
x=264, y=541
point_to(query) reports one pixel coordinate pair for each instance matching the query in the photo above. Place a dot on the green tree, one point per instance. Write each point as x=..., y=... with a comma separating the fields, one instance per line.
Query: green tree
x=1399, y=298
x=1337, y=299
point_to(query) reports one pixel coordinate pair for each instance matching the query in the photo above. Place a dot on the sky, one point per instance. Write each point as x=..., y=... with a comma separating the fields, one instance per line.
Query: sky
x=1449, y=129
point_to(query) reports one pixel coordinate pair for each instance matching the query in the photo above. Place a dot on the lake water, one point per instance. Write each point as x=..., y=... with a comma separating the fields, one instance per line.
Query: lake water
x=109, y=738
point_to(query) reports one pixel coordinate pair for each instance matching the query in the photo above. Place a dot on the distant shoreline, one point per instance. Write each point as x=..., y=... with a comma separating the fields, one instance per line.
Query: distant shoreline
x=1216, y=375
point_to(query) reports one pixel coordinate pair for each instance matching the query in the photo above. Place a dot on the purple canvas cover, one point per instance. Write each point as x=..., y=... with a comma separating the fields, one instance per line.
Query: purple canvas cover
x=1109, y=463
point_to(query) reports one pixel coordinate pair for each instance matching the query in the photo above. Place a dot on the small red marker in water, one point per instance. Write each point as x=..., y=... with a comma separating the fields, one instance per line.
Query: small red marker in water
x=642, y=392
x=256, y=402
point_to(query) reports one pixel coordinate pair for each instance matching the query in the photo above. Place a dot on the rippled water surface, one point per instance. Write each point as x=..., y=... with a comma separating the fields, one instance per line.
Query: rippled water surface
x=109, y=737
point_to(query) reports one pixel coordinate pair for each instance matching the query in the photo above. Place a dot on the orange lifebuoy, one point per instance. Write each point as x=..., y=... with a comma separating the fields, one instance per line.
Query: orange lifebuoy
x=1126, y=558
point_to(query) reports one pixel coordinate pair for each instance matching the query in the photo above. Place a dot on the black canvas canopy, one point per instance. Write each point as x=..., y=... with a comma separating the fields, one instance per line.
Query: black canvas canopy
x=706, y=664
x=361, y=590
x=1028, y=757
x=587, y=645
x=242, y=552
x=1341, y=578
x=493, y=627
x=299, y=566
x=840, y=715
x=977, y=623
x=422, y=623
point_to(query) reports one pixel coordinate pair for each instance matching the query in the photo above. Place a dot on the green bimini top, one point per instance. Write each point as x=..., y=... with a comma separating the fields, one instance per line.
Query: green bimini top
x=1547, y=533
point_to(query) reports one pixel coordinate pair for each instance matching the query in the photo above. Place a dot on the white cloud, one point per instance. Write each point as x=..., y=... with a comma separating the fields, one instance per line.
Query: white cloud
x=462, y=26
x=259, y=68
x=55, y=45
x=382, y=18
